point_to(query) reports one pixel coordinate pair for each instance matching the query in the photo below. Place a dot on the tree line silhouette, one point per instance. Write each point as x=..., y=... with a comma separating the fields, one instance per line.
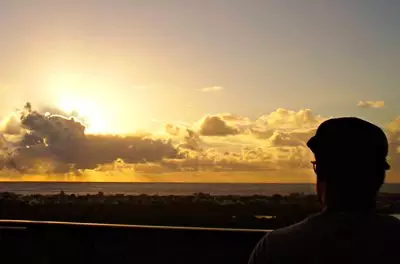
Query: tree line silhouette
x=199, y=209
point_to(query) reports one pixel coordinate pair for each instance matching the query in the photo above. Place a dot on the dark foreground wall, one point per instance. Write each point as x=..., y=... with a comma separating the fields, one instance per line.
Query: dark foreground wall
x=22, y=242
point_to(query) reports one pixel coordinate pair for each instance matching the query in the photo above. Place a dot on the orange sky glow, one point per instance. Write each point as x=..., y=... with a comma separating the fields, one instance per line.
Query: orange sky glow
x=188, y=92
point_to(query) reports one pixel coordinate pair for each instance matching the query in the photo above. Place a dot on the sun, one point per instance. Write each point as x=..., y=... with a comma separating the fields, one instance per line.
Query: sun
x=84, y=96
x=94, y=100
x=94, y=118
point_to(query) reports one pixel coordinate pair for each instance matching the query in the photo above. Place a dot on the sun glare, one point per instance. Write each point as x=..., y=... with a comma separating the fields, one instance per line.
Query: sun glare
x=93, y=100
x=91, y=113
x=86, y=97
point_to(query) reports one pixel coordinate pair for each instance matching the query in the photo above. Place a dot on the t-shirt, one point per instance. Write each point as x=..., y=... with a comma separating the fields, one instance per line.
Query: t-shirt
x=333, y=237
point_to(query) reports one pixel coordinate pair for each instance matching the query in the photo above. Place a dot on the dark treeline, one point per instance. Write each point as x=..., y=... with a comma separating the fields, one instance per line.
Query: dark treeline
x=204, y=210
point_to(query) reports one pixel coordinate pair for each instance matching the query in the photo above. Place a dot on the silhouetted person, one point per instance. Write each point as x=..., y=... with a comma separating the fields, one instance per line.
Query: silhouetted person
x=350, y=164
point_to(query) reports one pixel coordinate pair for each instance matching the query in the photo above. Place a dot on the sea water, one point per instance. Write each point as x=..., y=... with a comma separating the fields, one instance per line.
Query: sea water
x=166, y=188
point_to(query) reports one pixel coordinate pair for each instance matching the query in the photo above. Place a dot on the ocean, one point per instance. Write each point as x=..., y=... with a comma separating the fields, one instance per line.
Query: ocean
x=166, y=188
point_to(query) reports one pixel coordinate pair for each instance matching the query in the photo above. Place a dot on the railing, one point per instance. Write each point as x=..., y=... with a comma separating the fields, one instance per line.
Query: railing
x=7, y=223
x=23, y=241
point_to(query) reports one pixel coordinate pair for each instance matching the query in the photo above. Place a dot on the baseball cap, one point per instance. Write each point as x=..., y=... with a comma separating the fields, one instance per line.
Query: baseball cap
x=351, y=139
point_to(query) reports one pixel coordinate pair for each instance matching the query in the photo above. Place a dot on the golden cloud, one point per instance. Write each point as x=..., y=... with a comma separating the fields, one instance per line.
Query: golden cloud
x=216, y=126
x=211, y=89
x=36, y=143
x=371, y=104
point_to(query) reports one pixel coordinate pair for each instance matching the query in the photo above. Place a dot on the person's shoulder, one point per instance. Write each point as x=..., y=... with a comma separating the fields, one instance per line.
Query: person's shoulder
x=291, y=238
x=294, y=242
x=388, y=219
x=282, y=244
x=387, y=224
x=298, y=229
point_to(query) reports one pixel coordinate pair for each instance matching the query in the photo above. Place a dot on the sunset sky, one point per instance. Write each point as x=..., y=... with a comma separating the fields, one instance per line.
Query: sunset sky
x=250, y=80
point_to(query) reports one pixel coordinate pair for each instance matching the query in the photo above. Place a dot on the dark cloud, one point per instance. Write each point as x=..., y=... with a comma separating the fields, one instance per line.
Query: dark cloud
x=54, y=111
x=188, y=139
x=191, y=141
x=215, y=126
x=57, y=143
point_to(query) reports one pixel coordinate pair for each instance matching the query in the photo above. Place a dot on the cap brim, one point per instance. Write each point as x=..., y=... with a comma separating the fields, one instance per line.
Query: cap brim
x=312, y=144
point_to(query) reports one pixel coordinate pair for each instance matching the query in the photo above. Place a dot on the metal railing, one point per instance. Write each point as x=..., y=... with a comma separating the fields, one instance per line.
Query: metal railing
x=9, y=224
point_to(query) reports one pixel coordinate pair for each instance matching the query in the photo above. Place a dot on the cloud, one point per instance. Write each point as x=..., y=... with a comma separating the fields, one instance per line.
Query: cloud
x=215, y=126
x=275, y=141
x=234, y=118
x=174, y=130
x=394, y=126
x=220, y=145
x=280, y=139
x=261, y=133
x=393, y=133
x=54, y=143
x=371, y=104
x=211, y=89
x=284, y=127
x=11, y=125
x=212, y=159
x=191, y=141
x=288, y=119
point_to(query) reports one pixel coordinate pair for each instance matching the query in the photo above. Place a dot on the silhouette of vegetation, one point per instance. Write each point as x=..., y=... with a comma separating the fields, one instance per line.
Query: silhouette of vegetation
x=199, y=209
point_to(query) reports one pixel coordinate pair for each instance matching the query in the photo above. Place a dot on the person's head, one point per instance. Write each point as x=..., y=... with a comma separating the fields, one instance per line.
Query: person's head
x=350, y=162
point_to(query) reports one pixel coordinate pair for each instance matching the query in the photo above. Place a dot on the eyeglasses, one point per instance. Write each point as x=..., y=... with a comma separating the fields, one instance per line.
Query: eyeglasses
x=314, y=163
